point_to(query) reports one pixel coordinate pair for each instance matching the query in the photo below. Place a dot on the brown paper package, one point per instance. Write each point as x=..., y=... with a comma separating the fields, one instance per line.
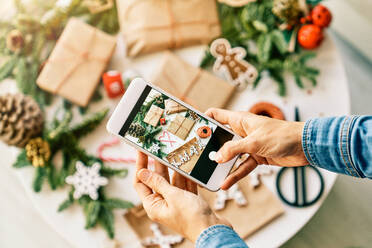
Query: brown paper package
x=262, y=208
x=193, y=85
x=77, y=62
x=140, y=223
x=181, y=126
x=153, y=25
x=189, y=165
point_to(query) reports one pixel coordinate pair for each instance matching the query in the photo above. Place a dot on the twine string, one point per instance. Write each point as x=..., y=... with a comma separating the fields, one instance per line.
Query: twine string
x=174, y=41
x=82, y=56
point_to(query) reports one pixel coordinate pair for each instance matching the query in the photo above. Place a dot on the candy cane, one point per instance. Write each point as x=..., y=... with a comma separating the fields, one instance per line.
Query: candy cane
x=113, y=142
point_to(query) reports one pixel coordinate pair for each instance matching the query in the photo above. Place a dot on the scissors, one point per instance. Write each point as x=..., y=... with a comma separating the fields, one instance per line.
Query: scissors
x=300, y=190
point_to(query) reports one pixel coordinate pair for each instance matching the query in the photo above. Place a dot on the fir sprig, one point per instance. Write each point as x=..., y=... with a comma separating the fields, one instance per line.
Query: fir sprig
x=64, y=137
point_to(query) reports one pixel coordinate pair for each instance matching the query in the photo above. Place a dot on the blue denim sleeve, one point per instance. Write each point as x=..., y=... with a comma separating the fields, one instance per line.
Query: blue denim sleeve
x=220, y=236
x=340, y=144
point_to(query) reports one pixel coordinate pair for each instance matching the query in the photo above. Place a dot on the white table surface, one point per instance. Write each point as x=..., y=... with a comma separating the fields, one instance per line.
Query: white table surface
x=21, y=225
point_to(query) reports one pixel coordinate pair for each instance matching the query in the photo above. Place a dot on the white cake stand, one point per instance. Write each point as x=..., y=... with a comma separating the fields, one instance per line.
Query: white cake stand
x=330, y=97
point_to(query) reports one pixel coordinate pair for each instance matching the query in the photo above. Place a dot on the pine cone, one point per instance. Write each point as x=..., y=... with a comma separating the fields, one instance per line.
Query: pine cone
x=20, y=119
x=287, y=10
x=136, y=130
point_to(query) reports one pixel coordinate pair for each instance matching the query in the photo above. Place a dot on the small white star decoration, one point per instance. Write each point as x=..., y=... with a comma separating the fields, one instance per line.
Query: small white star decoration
x=154, y=148
x=86, y=180
x=163, y=241
x=233, y=193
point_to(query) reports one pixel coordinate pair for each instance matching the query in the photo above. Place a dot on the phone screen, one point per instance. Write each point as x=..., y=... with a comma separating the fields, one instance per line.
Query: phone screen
x=174, y=133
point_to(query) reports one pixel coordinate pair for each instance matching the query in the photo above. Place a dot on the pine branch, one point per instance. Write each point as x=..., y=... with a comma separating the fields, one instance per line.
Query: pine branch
x=109, y=172
x=21, y=160
x=55, y=135
x=7, y=68
x=106, y=219
x=92, y=213
x=51, y=176
x=88, y=124
x=67, y=203
x=39, y=179
x=113, y=203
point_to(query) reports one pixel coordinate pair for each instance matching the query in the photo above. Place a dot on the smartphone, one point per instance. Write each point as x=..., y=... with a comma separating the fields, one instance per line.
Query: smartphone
x=172, y=132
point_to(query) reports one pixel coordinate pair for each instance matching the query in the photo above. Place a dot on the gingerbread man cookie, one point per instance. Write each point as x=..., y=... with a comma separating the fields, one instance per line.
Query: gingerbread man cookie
x=231, y=62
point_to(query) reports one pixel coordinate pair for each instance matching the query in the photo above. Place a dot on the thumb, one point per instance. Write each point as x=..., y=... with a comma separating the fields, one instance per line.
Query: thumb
x=230, y=150
x=156, y=182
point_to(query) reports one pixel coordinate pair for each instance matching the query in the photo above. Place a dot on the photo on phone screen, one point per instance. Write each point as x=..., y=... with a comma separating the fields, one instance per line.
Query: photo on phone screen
x=174, y=133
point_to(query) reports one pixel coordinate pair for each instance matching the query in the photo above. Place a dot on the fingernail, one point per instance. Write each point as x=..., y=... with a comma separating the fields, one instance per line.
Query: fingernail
x=144, y=174
x=218, y=157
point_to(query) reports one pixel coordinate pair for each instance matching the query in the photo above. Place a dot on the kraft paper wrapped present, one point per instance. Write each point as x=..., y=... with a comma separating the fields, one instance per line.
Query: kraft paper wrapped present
x=197, y=87
x=262, y=208
x=172, y=107
x=181, y=126
x=153, y=115
x=140, y=223
x=174, y=157
x=154, y=25
x=77, y=62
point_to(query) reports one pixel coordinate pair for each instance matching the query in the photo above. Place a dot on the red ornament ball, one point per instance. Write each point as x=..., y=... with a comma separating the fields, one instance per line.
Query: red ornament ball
x=310, y=36
x=321, y=16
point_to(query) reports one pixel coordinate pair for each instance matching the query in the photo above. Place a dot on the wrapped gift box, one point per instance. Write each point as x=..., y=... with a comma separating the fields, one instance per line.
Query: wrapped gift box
x=172, y=107
x=154, y=25
x=181, y=126
x=77, y=62
x=262, y=208
x=140, y=223
x=193, y=151
x=153, y=115
x=197, y=87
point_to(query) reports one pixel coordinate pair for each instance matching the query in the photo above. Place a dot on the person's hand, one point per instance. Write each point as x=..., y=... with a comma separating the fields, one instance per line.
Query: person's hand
x=176, y=206
x=268, y=141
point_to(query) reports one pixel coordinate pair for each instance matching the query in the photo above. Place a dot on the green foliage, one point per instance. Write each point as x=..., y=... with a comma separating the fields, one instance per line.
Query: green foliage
x=66, y=203
x=51, y=175
x=92, y=210
x=39, y=179
x=106, y=219
x=21, y=160
x=88, y=124
x=7, y=68
x=114, y=203
x=255, y=25
x=109, y=172
x=63, y=137
x=148, y=139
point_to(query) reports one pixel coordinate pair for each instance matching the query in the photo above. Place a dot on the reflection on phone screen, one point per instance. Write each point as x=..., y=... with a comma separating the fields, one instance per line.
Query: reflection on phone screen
x=174, y=133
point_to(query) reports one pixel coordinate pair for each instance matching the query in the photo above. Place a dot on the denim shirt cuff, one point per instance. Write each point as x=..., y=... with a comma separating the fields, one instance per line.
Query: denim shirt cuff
x=326, y=144
x=219, y=232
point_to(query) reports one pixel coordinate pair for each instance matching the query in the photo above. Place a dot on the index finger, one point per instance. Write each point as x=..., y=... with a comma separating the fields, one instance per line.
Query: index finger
x=220, y=115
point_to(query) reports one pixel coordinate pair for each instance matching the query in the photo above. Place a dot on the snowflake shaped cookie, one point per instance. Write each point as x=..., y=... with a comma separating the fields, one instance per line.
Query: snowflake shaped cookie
x=161, y=240
x=233, y=193
x=86, y=180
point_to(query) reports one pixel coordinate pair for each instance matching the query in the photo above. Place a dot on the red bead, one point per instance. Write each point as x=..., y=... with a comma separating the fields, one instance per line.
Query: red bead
x=113, y=84
x=163, y=121
x=321, y=16
x=310, y=36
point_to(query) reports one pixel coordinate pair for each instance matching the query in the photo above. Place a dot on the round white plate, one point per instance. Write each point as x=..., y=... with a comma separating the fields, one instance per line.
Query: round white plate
x=330, y=97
